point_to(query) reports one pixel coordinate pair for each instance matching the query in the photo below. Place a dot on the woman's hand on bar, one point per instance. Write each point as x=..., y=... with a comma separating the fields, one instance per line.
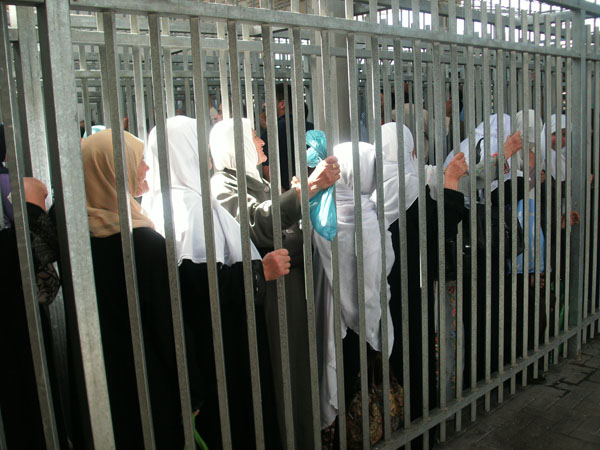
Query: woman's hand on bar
x=325, y=174
x=455, y=170
x=276, y=264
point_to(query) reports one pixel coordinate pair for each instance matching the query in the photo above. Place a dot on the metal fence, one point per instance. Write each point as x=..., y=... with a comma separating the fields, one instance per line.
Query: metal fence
x=103, y=60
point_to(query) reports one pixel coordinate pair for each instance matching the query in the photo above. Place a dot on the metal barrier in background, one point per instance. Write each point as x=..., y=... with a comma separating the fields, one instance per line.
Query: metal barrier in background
x=454, y=66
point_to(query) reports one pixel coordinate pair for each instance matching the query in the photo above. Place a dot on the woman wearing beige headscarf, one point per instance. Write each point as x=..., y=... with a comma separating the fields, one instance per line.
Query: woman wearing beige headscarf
x=153, y=290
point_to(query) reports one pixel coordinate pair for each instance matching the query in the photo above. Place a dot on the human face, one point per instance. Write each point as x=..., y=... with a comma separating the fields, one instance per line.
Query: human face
x=259, y=144
x=563, y=139
x=142, y=185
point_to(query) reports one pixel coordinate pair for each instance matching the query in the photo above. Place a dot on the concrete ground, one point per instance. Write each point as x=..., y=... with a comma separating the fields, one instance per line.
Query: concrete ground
x=562, y=413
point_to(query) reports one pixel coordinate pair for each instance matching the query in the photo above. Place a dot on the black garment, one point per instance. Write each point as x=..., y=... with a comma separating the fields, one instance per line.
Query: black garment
x=18, y=393
x=453, y=206
x=199, y=341
x=154, y=301
x=285, y=177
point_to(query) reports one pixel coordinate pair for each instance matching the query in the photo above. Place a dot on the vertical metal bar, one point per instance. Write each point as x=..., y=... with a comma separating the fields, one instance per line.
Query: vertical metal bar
x=455, y=145
x=500, y=85
x=113, y=100
x=301, y=168
x=557, y=209
x=168, y=71
x=271, y=108
x=73, y=232
x=16, y=167
x=2, y=433
x=538, y=210
x=138, y=83
x=575, y=179
x=586, y=176
x=225, y=102
x=329, y=108
x=383, y=287
x=470, y=127
x=213, y=284
x=165, y=183
x=248, y=77
x=439, y=120
x=526, y=105
x=244, y=220
x=85, y=95
x=548, y=262
x=400, y=120
x=105, y=109
x=596, y=165
x=387, y=95
x=513, y=201
x=420, y=148
x=32, y=92
x=189, y=108
x=353, y=84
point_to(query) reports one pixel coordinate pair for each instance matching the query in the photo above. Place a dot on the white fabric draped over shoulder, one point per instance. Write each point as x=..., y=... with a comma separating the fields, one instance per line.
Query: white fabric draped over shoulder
x=347, y=260
x=389, y=146
x=563, y=150
x=186, y=197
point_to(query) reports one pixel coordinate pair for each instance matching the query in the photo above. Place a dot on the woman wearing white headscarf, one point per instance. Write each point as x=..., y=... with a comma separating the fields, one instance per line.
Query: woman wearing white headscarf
x=453, y=214
x=347, y=259
x=186, y=194
x=224, y=186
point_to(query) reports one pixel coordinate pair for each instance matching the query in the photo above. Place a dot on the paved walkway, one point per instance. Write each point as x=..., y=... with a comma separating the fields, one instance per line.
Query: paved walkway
x=563, y=413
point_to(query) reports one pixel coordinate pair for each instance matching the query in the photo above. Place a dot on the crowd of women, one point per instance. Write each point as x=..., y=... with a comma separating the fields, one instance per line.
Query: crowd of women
x=404, y=231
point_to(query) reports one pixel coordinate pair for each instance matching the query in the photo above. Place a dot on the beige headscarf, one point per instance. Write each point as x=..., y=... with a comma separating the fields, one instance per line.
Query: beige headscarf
x=100, y=182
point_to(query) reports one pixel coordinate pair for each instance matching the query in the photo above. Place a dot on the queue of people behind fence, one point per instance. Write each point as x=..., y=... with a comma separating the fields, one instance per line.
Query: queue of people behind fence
x=401, y=241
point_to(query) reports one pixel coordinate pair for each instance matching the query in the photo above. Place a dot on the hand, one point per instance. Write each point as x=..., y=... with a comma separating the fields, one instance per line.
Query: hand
x=325, y=174
x=35, y=192
x=449, y=107
x=575, y=218
x=513, y=144
x=276, y=264
x=455, y=170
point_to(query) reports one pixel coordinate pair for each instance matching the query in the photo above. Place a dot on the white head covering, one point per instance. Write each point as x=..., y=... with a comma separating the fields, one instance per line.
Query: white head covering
x=186, y=195
x=563, y=151
x=532, y=124
x=480, y=134
x=222, y=147
x=347, y=259
x=389, y=146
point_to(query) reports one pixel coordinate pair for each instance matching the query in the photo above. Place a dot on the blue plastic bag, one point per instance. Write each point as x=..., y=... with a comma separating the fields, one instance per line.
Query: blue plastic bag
x=322, y=208
x=532, y=237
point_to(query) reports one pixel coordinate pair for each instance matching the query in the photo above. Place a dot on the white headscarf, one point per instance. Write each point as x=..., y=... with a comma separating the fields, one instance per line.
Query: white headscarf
x=186, y=195
x=480, y=134
x=563, y=151
x=532, y=125
x=347, y=260
x=389, y=146
x=222, y=147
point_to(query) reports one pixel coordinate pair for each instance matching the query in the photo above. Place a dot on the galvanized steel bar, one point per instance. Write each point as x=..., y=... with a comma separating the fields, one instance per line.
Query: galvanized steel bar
x=209, y=234
x=330, y=105
x=271, y=110
x=168, y=70
x=165, y=184
x=526, y=176
x=500, y=110
x=138, y=83
x=400, y=121
x=595, y=183
x=21, y=224
x=548, y=219
x=513, y=202
x=245, y=230
x=77, y=275
x=470, y=126
x=248, y=77
x=225, y=101
x=301, y=167
x=568, y=191
x=358, y=231
x=586, y=175
x=486, y=109
x=420, y=149
x=538, y=200
x=374, y=62
x=113, y=100
x=32, y=94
